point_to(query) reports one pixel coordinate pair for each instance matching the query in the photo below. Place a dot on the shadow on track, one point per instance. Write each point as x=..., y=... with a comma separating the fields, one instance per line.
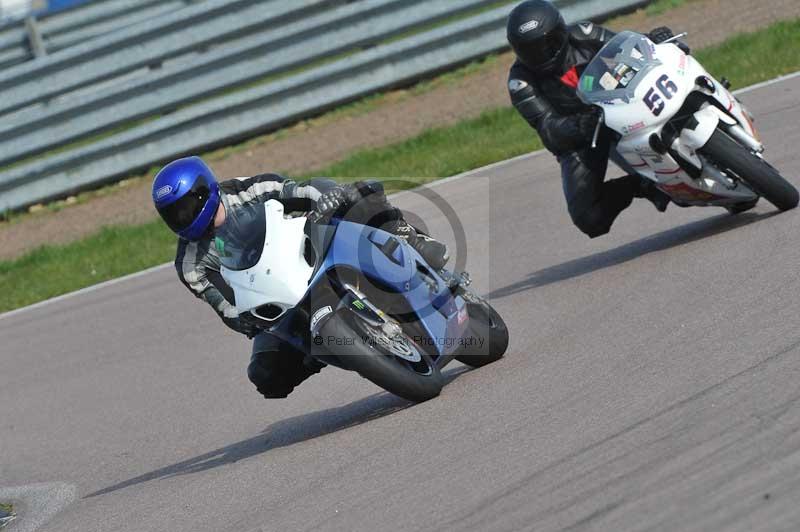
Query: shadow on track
x=284, y=433
x=660, y=241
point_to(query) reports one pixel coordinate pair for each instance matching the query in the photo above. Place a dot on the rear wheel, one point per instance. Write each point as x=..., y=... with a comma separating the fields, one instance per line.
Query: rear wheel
x=487, y=329
x=755, y=171
x=386, y=356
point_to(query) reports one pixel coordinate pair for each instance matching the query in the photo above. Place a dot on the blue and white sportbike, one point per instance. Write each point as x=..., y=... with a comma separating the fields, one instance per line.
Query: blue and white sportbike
x=355, y=297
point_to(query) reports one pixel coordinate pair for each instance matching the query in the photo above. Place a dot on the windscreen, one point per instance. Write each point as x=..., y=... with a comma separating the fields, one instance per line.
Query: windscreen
x=617, y=69
x=240, y=240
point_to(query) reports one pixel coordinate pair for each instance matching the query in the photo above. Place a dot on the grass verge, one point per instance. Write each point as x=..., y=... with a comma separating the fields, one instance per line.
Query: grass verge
x=754, y=57
x=54, y=270
x=495, y=135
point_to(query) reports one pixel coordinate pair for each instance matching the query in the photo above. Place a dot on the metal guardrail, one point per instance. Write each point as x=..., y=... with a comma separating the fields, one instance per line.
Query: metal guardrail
x=70, y=27
x=218, y=71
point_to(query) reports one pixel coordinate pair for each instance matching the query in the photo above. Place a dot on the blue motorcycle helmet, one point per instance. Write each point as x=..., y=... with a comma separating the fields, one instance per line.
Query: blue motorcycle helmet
x=186, y=195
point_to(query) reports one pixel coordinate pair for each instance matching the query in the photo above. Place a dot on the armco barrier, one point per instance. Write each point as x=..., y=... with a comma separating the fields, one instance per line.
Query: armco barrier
x=217, y=71
x=67, y=28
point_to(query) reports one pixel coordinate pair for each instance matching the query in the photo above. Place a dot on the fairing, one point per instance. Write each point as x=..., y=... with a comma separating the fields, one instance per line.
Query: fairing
x=282, y=274
x=654, y=85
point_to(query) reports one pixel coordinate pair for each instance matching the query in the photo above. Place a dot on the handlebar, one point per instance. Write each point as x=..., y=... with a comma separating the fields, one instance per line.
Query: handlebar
x=676, y=37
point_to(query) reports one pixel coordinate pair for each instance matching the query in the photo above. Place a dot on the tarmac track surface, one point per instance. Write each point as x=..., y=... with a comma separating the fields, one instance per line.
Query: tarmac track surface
x=651, y=384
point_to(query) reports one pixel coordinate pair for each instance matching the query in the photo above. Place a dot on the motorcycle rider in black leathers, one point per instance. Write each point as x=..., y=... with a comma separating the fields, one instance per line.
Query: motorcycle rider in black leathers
x=551, y=57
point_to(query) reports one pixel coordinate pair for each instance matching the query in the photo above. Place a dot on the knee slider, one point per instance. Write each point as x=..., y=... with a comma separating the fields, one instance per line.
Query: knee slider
x=269, y=383
x=590, y=224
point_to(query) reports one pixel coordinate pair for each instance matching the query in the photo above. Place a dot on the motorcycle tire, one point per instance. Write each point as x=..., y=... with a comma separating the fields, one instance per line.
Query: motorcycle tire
x=414, y=381
x=484, y=324
x=756, y=172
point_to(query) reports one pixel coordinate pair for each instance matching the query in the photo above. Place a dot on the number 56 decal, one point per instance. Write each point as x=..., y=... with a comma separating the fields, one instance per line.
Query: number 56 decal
x=654, y=101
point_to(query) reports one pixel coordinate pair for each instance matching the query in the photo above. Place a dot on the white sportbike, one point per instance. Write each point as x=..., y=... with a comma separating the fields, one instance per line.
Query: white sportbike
x=680, y=127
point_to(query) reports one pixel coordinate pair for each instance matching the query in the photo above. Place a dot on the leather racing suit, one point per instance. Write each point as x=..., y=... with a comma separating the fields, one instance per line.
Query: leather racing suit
x=550, y=104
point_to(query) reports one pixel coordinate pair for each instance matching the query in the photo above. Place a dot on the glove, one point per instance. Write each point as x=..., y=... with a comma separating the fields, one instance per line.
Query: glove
x=241, y=326
x=331, y=201
x=371, y=190
x=367, y=204
x=662, y=34
x=352, y=194
x=249, y=330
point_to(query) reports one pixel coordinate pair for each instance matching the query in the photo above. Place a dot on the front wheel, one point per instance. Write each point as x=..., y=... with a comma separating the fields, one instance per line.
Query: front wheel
x=755, y=171
x=386, y=356
x=488, y=330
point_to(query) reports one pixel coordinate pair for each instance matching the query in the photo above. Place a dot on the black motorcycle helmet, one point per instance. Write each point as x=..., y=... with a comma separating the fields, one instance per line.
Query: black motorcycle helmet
x=538, y=34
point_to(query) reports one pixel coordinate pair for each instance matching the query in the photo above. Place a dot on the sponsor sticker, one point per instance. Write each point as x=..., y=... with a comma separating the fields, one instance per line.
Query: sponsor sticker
x=516, y=85
x=627, y=78
x=609, y=82
x=462, y=315
x=529, y=26
x=318, y=315
x=627, y=130
x=220, y=245
x=163, y=191
x=636, y=127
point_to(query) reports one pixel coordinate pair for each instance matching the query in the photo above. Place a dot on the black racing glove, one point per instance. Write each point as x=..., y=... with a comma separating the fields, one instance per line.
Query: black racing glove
x=371, y=190
x=663, y=33
x=352, y=194
x=660, y=34
x=366, y=204
x=241, y=326
x=331, y=201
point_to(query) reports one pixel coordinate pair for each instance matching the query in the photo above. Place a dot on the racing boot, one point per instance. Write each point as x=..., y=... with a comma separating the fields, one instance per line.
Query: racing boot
x=648, y=190
x=434, y=252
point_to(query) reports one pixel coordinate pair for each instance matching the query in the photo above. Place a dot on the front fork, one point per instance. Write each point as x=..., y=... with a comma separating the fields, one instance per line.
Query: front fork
x=738, y=133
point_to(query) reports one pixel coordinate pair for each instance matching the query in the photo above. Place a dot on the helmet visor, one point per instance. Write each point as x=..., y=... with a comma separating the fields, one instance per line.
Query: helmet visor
x=180, y=214
x=543, y=50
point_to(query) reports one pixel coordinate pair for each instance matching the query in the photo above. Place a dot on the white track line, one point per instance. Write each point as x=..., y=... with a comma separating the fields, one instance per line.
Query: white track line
x=767, y=83
x=446, y=180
